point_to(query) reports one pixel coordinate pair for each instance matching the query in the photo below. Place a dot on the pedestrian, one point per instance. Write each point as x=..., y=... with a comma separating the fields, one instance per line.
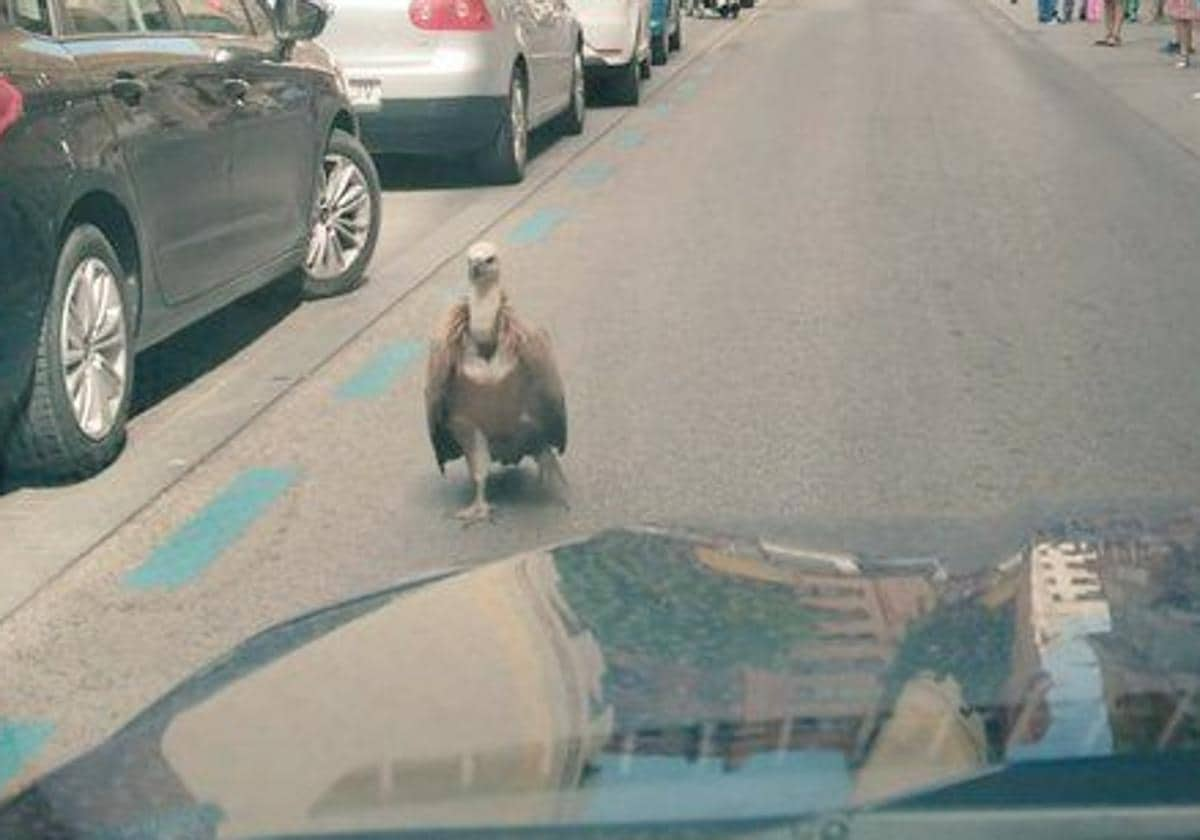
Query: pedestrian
x=1185, y=14
x=1114, y=17
x=1047, y=11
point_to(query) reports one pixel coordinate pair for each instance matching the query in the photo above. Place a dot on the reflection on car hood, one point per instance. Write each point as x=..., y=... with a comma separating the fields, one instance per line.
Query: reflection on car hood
x=653, y=675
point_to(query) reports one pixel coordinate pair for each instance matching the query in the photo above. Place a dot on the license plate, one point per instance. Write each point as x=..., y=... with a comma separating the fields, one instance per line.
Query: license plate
x=365, y=94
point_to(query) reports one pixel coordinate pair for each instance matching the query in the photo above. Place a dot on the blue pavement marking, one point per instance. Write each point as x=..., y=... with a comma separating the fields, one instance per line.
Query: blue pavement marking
x=662, y=109
x=631, y=138
x=592, y=174
x=537, y=227
x=20, y=741
x=376, y=377
x=220, y=524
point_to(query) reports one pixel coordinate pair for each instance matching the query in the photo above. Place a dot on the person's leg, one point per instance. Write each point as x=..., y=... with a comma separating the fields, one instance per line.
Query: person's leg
x=1183, y=35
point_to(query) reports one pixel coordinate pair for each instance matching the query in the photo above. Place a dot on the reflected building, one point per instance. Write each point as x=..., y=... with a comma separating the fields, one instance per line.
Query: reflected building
x=819, y=689
x=1151, y=660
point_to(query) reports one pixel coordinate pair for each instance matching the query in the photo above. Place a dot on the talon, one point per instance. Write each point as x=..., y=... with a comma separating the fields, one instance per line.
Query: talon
x=475, y=513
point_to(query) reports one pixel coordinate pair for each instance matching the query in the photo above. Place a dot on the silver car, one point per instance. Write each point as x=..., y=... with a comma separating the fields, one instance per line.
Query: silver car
x=460, y=77
x=618, y=44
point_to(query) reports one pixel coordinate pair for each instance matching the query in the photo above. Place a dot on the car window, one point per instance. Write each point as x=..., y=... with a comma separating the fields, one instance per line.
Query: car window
x=30, y=15
x=100, y=17
x=260, y=17
x=220, y=16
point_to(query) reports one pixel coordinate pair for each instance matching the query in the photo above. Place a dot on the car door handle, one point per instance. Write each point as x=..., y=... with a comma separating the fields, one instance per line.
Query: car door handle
x=236, y=89
x=128, y=89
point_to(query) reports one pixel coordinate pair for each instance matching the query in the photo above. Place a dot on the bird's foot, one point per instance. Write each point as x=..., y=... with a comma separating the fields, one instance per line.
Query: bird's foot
x=475, y=513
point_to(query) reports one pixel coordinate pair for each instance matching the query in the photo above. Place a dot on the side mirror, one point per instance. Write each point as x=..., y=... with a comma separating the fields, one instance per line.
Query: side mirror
x=300, y=20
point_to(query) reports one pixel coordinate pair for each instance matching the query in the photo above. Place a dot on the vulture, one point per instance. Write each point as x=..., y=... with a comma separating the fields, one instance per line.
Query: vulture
x=492, y=388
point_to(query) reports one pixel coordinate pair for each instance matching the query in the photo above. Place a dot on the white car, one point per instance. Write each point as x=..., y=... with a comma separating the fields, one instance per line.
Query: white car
x=616, y=37
x=460, y=77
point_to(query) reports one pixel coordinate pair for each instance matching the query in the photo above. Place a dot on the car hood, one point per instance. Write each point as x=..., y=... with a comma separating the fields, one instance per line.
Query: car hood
x=648, y=675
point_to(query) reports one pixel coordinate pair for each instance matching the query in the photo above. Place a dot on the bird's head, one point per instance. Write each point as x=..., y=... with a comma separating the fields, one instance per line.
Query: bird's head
x=483, y=266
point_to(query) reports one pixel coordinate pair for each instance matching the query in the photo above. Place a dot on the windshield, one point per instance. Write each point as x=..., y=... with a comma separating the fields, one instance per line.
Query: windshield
x=887, y=303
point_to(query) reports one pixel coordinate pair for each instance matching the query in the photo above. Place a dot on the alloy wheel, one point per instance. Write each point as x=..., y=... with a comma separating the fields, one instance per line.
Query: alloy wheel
x=579, y=92
x=94, y=345
x=343, y=222
x=517, y=120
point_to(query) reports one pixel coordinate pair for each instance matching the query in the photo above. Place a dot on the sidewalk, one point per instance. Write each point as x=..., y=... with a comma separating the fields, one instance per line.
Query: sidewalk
x=1137, y=73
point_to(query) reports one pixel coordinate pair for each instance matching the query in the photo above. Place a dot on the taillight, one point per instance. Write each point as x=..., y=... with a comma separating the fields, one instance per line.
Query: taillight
x=461, y=15
x=12, y=105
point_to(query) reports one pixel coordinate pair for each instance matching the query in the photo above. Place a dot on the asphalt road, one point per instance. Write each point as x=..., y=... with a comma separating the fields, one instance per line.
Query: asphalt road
x=876, y=275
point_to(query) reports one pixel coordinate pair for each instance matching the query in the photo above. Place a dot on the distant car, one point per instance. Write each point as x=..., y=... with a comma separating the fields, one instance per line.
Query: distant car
x=666, y=29
x=617, y=38
x=461, y=77
x=158, y=159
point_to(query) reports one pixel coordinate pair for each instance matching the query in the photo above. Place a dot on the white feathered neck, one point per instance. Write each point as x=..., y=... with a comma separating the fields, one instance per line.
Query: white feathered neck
x=483, y=310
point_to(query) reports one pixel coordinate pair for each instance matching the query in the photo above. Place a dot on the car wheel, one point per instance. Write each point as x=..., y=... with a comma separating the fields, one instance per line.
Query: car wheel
x=573, y=118
x=627, y=86
x=658, y=49
x=675, y=42
x=73, y=424
x=345, y=220
x=503, y=161
x=644, y=70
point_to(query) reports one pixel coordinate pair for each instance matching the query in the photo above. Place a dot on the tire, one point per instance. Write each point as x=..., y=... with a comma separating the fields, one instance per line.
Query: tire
x=627, y=86
x=658, y=49
x=644, y=71
x=572, y=120
x=503, y=160
x=675, y=42
x=345, y=221
x=73, y=424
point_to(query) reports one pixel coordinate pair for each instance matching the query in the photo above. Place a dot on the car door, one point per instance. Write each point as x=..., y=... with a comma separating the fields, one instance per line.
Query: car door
x=543, y=82
x=173, y=122
x=275, y=136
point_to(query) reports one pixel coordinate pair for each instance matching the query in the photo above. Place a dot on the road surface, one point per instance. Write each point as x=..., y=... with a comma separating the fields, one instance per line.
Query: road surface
x=876, y=275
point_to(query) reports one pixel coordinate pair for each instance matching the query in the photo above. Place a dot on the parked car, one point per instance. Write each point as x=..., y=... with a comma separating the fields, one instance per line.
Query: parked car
x=461, y=77
x=666, y=29
x=147, y=181
x=617, y=44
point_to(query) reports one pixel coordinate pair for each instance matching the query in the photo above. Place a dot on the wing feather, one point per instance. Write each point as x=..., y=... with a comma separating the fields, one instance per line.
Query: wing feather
x=536, y=354
x=445, y=354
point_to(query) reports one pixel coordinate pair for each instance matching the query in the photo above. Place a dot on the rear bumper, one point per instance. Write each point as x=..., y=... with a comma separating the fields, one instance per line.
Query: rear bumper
x=608, y=42
x=433, y=126
x=594, y=61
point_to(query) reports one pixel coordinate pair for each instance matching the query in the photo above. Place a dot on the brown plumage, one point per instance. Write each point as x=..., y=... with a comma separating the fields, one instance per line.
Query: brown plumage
x=493, y=391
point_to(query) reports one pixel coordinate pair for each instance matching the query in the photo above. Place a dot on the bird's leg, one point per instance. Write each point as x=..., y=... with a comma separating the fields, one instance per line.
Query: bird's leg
x=551, y=475
x=479, y=459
